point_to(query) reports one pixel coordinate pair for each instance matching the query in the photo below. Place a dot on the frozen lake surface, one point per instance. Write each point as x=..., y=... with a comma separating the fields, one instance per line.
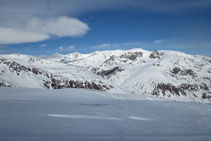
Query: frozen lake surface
x=81, y=115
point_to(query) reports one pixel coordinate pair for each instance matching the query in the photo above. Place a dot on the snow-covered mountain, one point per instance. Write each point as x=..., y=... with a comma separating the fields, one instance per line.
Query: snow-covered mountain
x=164, y=74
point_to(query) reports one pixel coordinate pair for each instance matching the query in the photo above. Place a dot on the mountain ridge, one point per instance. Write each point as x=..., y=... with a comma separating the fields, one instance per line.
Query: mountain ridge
x=164, y=74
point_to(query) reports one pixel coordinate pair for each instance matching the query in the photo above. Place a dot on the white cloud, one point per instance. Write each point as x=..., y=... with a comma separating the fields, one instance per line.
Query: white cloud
x=10, y=36
x=60, y=27
x=36, y=29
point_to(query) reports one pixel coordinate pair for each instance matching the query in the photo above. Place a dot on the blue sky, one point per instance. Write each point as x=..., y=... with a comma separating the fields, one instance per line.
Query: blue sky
x=64, y=26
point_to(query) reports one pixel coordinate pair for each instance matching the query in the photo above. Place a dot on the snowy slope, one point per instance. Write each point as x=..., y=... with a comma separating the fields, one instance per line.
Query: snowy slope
x=163, y=74
x=81, y=115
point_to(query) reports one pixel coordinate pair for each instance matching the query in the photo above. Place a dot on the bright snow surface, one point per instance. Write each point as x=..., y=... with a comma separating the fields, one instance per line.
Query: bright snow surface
x=73, y=114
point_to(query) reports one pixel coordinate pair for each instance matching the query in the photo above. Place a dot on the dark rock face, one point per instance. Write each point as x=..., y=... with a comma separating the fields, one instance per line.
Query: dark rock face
x=108, y=73
x=177, y=70
x=182, y=89
x=15, y=67
x=35, y=71
x=132, y=55
x=2, y=84
x=206, y=96
x=167, y=87
x=155, y=54
x=59, y=84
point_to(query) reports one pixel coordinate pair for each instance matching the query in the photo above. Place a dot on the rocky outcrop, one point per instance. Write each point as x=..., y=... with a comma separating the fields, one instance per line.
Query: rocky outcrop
x=132, y=55
x=206, y=96
x=109, y=73
x=178, y=71
x=168, y=89
x=163, y=88
x=155, y=54
x=3, y=84
x=56, y=83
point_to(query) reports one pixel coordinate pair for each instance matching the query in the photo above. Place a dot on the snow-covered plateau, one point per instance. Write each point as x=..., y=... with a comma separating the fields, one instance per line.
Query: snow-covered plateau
x=31, y=114
x=159, y=74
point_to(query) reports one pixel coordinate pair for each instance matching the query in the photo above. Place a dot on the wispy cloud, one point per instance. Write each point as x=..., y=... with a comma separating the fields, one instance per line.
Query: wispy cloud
x=159, y=41
x=155, y=44
x=17, y=11
x=43, y=45
x=37, y=29
x=3, y=49
x=48, y=8
x=136, y=44
x=68, y=48
x=103, y=46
